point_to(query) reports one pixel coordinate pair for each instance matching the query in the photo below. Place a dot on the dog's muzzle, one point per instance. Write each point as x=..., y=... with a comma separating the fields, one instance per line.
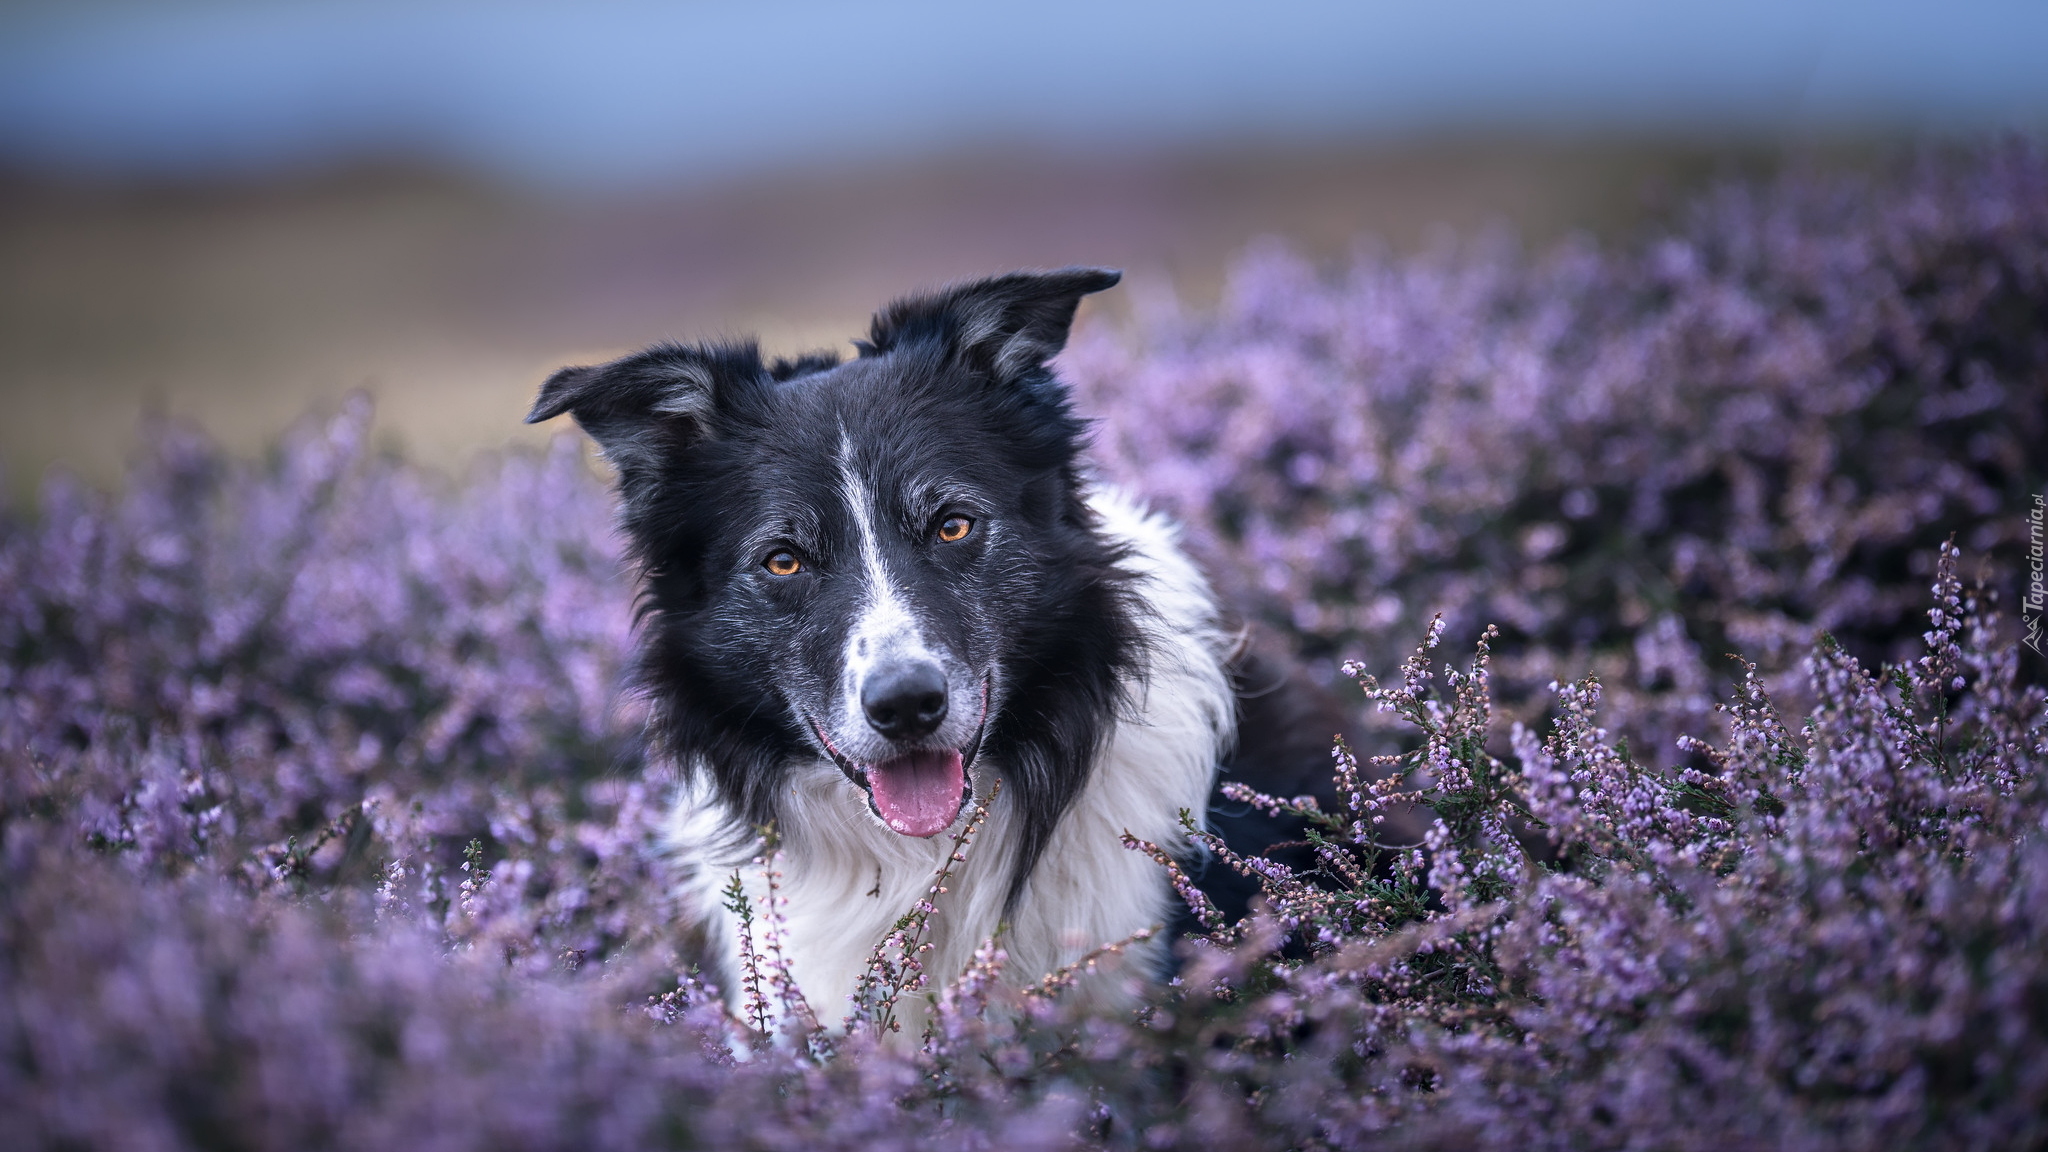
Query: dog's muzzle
x=920, y=792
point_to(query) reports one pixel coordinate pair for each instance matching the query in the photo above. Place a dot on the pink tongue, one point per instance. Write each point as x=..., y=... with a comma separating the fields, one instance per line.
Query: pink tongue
x=917, y=794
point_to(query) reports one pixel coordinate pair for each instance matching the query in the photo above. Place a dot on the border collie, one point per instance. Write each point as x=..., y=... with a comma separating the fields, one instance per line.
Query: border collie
x=872, y=589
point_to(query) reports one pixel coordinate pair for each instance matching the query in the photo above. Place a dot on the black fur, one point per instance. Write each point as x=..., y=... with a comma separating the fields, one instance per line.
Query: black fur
x=950, y=404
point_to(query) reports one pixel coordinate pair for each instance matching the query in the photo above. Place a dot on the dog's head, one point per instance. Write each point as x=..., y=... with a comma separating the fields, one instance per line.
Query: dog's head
x=883, y=565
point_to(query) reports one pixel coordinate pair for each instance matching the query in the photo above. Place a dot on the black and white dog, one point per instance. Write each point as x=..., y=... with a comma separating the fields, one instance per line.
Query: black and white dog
x=873, y=588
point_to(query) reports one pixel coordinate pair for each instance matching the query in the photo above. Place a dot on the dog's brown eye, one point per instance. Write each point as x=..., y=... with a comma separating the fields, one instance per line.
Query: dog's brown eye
x=784, y=564
x=955, y=528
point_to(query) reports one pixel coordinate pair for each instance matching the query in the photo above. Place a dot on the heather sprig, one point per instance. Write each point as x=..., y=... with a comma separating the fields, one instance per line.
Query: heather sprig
x=1205, y=911
x=772, y=1004
x=756, y=1018
x=1065, y=977
x=895, y=967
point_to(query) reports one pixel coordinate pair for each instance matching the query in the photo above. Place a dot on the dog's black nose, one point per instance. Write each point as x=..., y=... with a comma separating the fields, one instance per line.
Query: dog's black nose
x=905, y=701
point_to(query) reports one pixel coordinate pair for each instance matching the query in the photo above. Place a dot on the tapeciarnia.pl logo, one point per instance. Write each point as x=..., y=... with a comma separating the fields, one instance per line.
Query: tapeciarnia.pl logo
x=2032, y=604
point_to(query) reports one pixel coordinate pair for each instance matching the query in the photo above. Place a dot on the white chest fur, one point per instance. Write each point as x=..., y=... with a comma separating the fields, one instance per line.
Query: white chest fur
x=846, y=879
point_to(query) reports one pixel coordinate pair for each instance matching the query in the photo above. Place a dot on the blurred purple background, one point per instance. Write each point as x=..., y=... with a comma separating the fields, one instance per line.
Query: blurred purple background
x=231, y=211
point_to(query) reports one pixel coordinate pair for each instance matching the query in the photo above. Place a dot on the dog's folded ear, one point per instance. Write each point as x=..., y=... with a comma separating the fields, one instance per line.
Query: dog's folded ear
x=641, y=406
x=1006, y=326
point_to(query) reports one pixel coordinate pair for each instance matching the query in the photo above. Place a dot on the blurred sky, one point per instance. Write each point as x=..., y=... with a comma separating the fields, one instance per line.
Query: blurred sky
x=619, y=92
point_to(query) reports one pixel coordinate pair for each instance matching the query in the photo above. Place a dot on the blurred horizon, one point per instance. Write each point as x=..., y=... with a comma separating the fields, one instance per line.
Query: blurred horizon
x=233, y=212
x=636, y=93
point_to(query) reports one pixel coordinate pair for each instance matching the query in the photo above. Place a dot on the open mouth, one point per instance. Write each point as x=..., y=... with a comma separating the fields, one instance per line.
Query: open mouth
x=918, y=793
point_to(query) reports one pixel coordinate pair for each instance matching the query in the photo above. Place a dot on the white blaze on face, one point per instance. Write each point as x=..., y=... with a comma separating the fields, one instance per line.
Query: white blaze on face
x=884, y=628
